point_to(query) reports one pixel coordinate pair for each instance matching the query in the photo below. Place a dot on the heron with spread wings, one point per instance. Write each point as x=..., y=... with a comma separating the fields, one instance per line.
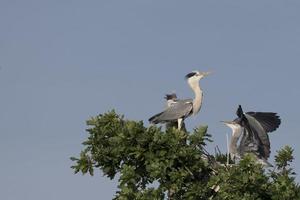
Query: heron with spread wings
x=251, y=131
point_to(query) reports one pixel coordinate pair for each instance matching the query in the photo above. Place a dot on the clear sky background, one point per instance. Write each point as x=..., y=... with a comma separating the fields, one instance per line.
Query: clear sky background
x=65, y=61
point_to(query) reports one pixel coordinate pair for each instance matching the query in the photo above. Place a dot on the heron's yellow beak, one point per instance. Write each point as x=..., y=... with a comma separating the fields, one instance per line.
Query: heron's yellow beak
x=206, y=73
x=227, y=122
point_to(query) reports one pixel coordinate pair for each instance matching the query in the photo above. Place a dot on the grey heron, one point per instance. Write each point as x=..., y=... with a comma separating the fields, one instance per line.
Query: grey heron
x=181, y=109
x=171, y=99
x=251, y=129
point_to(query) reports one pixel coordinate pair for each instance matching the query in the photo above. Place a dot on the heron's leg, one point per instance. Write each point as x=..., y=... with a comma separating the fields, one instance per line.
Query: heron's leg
x=228, y=151
x=179, y=121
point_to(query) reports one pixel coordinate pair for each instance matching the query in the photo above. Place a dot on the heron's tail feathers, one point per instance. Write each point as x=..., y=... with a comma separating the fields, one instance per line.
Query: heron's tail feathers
x=155, y=119
x=264, y=162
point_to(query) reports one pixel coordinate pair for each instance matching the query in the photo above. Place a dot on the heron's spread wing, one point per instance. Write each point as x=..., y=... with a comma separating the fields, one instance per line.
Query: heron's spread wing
x=268, y=120
x=260, y=136
x=178, y=109
x=239, y=111
x=256, y=126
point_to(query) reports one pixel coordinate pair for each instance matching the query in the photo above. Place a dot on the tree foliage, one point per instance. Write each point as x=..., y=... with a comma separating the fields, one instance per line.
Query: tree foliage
x=155, y=164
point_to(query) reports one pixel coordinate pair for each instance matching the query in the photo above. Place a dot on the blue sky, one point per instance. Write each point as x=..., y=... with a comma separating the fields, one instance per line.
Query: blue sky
x=62, y=62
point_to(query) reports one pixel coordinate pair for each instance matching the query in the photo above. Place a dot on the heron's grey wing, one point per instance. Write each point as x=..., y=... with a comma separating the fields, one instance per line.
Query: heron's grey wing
x=260, y=136
x=250, y=145
x=153, y=119
x=179, y=109
x=269, y=121
x=247, y=144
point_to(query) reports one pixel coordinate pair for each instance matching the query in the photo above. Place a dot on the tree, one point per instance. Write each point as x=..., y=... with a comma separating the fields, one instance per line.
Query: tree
x=177, y=164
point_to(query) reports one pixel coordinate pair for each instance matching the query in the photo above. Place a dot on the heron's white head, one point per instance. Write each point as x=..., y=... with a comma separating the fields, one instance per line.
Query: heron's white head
x=171, y=99
x=234, y=126
x=196, y=76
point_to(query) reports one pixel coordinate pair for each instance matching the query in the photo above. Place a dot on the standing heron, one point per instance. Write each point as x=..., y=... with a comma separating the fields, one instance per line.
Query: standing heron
x=181, y=109
x=252, y=127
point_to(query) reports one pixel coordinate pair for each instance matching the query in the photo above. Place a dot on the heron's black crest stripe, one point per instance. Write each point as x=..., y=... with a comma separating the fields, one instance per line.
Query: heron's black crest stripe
x=171, y=96
x=189, y=75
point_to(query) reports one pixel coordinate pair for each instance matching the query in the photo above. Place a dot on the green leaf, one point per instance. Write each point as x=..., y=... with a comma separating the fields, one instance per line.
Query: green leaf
x=155, y=164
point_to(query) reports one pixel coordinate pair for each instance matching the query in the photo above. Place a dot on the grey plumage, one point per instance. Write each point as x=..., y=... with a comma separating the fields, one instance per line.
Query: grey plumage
x=179, y=109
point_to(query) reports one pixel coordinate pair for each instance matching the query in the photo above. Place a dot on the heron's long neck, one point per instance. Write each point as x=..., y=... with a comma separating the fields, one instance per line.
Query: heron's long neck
x=197, y=102
x=236, y=133
x=233, y=145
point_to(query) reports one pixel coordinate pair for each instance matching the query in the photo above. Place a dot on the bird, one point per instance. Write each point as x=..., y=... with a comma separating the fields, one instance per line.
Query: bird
x=179, y=110
x=171, y=99
x=252, y=130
